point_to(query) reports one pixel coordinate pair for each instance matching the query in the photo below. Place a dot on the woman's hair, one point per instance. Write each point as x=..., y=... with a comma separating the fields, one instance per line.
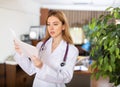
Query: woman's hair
x=65, y=33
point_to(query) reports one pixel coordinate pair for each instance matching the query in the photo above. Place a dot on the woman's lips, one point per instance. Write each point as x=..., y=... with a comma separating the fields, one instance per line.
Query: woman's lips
x=52, y=32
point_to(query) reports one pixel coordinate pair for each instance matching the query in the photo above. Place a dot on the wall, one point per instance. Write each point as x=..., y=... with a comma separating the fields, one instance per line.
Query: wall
x=18, y=15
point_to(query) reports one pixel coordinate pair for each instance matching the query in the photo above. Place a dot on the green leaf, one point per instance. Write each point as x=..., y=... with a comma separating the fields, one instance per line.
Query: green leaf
x=105, y=76
x=106, y=60
x=94, y=66
x=97, y=75
x=98, y=34
x=111, y=42
x=110, y=68
x=112, y=58
x=107, y=45
x=117, y=51
x=101, y=61
x=92, y=24
x=104, y=32
x=109, y=8
x=112, y=49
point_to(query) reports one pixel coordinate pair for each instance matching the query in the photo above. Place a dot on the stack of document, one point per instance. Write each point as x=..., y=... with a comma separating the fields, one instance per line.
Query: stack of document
x=81, y=67
x=81, y=58
x=27, y=49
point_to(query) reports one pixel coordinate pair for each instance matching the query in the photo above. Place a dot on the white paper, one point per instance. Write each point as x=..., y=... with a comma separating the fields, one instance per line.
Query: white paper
x=81, y=58
x=81, y=67
x=27, y=49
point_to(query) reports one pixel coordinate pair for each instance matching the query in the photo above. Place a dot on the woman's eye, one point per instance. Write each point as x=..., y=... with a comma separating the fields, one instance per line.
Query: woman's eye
x=55, y=24
x=48, y=24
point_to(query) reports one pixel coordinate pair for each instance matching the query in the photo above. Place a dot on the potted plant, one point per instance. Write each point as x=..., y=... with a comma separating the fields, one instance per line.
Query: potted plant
x=106, y=49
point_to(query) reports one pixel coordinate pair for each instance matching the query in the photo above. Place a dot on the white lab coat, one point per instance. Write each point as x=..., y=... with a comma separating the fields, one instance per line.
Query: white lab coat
x=51, y=74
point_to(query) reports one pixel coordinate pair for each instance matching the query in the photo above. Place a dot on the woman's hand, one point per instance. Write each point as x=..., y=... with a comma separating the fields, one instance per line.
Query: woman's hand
x=17, y=48
x=37, y=62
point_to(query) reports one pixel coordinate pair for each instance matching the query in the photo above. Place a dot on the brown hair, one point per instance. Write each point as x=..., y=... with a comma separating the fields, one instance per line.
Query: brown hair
x=65, y=33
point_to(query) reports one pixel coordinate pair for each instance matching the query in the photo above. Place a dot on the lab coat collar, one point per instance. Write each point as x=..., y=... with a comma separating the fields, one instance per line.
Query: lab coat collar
x=60, y=46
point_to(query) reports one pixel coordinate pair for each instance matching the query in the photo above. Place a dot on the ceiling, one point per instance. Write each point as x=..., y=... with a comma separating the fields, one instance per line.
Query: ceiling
x=79, y=2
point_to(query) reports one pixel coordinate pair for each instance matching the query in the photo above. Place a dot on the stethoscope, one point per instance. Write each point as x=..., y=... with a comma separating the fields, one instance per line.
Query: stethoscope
x=65, y=55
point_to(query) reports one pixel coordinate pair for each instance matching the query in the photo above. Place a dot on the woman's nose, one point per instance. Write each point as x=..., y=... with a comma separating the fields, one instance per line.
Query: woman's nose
x=51, y=27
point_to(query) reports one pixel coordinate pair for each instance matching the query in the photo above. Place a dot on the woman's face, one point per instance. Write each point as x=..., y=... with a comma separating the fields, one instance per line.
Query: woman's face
x=55, y=27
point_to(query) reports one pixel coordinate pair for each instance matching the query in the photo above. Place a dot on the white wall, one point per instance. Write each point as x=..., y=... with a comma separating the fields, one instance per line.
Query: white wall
x=18, y=15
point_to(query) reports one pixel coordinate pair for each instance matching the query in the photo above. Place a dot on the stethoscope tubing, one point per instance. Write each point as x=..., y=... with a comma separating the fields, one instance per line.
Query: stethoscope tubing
x=65, y=55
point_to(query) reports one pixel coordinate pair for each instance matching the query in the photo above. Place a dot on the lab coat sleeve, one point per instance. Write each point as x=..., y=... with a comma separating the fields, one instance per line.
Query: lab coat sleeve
x=63, y=74
x=25, y=63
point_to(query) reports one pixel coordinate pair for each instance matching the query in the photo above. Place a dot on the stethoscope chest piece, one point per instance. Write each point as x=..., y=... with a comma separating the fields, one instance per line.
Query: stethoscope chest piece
x=43, y=48
x=62, y=64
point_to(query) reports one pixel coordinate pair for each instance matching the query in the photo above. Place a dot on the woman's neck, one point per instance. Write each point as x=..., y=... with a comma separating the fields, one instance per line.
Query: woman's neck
x=56, y=42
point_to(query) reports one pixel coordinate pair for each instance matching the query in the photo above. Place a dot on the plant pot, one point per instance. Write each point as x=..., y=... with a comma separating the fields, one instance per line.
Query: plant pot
x=117, y=21
x=101, y=82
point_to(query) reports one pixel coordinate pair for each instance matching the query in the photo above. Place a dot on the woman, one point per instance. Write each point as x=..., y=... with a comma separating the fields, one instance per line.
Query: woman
x=57, y=55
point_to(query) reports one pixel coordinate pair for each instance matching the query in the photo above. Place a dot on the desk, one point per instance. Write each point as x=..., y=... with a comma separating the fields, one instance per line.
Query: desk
x=83, y=79
x=16, y=77
x=82, y=72
x=2, y=75
x=80, y=79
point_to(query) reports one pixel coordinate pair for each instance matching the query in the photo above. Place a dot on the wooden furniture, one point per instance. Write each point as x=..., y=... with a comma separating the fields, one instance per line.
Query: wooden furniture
x=2, y=75
x=43, y=16
x=76, y=18
x=80, y=79
x=83, y=79
x=16, y=77
x=34, y=42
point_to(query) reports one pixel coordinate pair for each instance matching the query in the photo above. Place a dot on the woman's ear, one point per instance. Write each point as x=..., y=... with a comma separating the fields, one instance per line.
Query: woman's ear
x=63, y=28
